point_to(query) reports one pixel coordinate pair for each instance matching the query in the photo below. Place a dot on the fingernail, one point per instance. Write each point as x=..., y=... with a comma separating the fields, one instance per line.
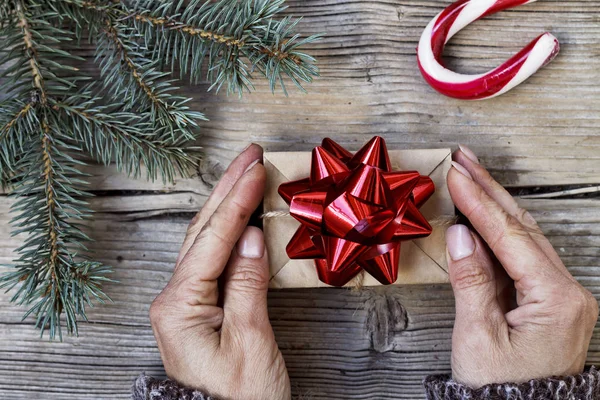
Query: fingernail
x=251, y=244
x=469, y=153
x=252, y=164
x=461, y=169
x=460, y=242
x=248, y=146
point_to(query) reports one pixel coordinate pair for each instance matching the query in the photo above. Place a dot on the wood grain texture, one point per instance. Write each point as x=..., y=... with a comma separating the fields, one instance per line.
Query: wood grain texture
x=338, y=344
x=544, y=132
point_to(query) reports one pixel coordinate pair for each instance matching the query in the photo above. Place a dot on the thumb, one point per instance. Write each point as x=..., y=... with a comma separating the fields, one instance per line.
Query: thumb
x=246, y=283
x=472, y=277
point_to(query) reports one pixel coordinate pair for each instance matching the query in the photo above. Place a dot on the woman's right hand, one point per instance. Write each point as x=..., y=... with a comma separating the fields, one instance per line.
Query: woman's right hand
x=544, y=330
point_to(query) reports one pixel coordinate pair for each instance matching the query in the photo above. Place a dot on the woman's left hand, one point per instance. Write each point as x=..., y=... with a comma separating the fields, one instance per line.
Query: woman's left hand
x=222, y=342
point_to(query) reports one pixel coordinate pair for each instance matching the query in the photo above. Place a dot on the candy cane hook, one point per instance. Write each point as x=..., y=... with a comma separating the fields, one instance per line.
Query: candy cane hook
x=446, y=24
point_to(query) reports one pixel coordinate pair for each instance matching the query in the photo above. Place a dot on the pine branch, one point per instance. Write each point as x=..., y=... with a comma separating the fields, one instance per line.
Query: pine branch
x=128, y=74
x=48, y=202
x=36, y=74
x=36, y=66
x=49, y=117
x=225, y=33
x=50, y=276
x=277, y=53
x=124, y=138
x=16, y=119
x=189, y=30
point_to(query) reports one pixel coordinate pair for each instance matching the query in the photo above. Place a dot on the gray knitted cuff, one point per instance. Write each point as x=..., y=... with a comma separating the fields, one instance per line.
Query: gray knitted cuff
x=148, y=388
x=581, y=387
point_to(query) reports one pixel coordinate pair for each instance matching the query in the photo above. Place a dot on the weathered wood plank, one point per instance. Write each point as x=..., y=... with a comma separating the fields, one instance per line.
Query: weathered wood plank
x=371, y=86
x=543, y=133
x=323, y=333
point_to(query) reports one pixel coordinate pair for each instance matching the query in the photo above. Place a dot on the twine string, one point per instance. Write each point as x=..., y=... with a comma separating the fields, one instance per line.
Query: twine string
x=274, y=214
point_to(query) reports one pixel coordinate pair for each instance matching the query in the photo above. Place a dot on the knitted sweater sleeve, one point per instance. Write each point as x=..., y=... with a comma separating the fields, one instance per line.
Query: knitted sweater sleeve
x=148, y=388
x=585, y=386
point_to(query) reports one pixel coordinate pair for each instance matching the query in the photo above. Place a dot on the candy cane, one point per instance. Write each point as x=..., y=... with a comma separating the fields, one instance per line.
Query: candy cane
x=446, y=24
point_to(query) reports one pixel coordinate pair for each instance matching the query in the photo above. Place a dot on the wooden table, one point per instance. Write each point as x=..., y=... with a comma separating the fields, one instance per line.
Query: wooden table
x=340, y=344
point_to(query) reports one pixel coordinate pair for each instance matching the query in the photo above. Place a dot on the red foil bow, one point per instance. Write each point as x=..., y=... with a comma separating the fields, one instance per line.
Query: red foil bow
x=354, y=212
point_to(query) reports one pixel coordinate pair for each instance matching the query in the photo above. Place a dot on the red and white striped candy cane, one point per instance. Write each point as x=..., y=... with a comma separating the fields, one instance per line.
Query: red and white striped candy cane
x=476, y=87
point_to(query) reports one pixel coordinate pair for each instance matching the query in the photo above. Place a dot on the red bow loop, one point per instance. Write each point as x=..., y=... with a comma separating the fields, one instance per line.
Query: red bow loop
x=354, y=212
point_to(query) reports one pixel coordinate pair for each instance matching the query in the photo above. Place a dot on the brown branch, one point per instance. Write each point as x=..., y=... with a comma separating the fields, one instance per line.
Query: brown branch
x=48, y=176
x=190, y=30
x=112, y=33
x=170, y=24
x=14, y=120
x=148, y=146
x=38, y=80
x=281, y=55
x=93, y=6
x=96, y=119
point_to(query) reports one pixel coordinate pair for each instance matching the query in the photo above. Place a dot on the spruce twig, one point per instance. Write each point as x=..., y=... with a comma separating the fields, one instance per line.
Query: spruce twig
x=49, y=115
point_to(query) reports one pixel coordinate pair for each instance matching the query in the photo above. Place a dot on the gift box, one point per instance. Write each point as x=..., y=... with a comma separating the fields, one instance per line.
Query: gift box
x=421, y=260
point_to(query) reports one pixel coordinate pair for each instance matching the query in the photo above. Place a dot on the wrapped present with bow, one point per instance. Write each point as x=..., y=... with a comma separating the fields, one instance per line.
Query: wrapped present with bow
x=333, y=218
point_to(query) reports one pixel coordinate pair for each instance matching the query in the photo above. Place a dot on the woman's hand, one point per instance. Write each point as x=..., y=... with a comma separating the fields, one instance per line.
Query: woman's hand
x=211, y=320
x=546, y=329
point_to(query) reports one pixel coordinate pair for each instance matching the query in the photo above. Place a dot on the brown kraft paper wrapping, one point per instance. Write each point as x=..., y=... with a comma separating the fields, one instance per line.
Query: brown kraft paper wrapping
x=421, y=261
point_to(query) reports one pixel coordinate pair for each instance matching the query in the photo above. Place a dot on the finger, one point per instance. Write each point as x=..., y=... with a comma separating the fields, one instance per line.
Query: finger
x=505, y=287
x=228, y=180
x=468, y=159
x=473, y=279
x=568, y=301
x=245, y=285
x=212, y=247
x=519, y=254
